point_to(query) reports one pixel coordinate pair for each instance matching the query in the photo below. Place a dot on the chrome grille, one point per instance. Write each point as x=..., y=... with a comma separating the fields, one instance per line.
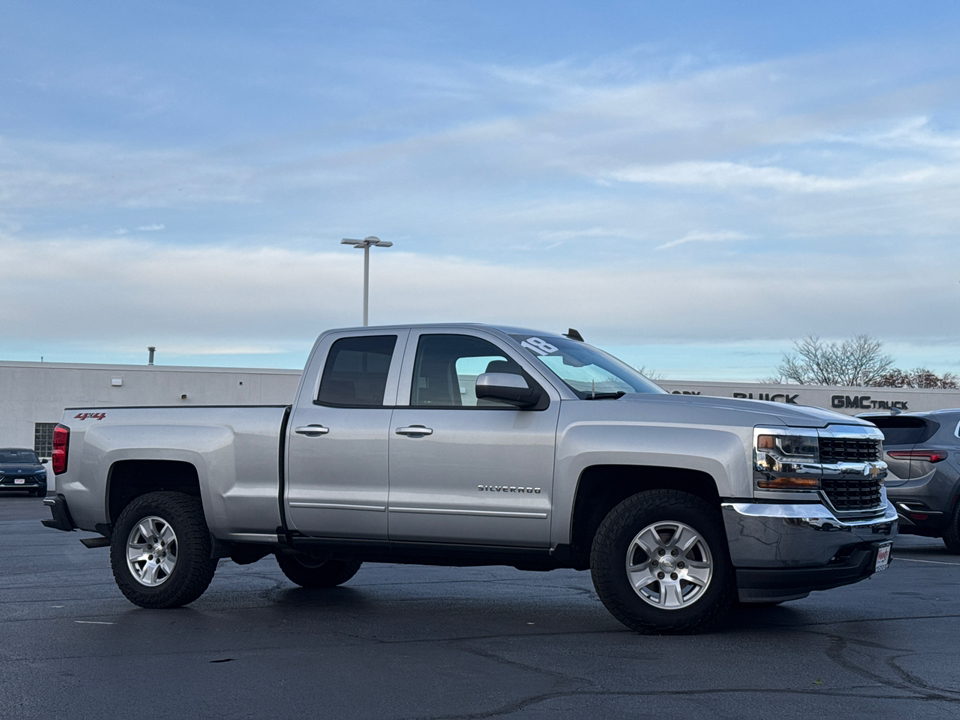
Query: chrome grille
x=852, y=494
x=838, y=450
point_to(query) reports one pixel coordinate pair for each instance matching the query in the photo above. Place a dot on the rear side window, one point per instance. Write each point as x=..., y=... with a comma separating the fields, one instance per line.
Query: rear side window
x=355, y=374
x=902, y=430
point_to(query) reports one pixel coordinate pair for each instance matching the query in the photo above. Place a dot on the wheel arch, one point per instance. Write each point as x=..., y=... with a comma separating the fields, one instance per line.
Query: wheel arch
x=129, y=479
x=600, y=488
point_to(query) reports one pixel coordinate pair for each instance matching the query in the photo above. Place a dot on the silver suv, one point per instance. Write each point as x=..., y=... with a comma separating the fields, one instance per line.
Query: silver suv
x=922, y=451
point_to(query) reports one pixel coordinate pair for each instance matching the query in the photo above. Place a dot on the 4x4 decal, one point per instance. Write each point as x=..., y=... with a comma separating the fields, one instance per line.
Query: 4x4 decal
x=91, y=416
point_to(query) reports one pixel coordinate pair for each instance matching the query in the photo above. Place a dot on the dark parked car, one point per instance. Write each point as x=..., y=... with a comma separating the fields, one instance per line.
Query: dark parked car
x=21, y=469
x=922, y=450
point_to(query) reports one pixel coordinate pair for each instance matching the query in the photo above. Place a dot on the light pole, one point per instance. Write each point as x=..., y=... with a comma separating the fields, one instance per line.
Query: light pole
x=366, y=244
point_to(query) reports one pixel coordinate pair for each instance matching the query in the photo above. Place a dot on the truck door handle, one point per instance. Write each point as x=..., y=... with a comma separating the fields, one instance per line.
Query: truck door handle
x=414, y=431
x=312, y=430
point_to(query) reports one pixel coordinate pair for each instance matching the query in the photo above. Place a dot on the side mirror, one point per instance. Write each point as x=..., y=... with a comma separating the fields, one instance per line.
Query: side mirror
x=507, y=387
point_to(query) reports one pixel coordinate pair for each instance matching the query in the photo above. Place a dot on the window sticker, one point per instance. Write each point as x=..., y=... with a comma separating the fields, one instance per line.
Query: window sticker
x=539, y=346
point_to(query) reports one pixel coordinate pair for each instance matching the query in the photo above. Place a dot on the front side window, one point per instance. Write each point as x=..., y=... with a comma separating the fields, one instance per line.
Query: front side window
x=446, y=369
x=589, y=372
x=355, y=374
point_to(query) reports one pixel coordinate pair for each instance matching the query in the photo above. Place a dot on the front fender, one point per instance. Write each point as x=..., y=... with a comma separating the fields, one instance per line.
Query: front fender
x=717, y=452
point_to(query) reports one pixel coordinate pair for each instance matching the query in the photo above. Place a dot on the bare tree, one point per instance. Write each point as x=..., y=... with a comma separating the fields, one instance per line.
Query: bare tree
x=916, y=378
x=651, y=374
x=854, y=362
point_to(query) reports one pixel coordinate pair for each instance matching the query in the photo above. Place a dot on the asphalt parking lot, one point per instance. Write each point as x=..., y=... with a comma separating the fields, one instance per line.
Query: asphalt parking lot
x=421, y=642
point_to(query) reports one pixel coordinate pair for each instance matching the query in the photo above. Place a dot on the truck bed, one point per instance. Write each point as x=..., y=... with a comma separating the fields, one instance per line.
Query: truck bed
x=236, y=451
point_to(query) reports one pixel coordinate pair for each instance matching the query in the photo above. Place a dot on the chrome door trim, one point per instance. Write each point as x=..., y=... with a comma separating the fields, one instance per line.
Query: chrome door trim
x=481, y=513
x=338, y=506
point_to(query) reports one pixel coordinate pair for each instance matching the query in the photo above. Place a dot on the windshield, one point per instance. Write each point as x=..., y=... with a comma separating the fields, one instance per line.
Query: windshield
x=18, y=456
x=589, y=372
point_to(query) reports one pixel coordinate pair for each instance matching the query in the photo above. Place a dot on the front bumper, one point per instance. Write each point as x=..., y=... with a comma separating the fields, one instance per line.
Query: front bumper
x=784, y=552
x=10, y=483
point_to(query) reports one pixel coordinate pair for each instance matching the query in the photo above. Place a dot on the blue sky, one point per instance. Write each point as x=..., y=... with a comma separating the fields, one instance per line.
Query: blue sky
x=692, y=185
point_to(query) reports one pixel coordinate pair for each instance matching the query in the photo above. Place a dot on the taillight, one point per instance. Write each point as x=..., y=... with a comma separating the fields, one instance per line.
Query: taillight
x=931, y=456
x=61, y=441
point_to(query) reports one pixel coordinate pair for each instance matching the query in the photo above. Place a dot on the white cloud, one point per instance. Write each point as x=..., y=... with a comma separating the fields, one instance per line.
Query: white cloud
x=910, y=133
x=213, y=299
x=727, y=175
x=625, y=144
x=706, y=237
x=535, y=197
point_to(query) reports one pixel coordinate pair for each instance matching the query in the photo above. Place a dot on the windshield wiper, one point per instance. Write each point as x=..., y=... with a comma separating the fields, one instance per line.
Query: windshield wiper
x=605, y=395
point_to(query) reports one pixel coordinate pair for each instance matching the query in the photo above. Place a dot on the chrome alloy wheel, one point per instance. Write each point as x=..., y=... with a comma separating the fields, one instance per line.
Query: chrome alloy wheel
x=152, y=551
x=669, y=565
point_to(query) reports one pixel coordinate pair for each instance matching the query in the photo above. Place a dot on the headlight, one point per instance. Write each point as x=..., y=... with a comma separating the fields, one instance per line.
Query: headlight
x=786, y=459
x=799, y=448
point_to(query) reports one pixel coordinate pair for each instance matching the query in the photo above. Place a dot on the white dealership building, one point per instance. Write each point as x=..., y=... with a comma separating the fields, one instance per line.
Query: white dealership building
x=34, y=395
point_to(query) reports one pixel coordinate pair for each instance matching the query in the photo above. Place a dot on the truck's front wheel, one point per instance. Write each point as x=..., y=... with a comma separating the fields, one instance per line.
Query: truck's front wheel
x=315, y=573
x=160, y=550
x=660, y=564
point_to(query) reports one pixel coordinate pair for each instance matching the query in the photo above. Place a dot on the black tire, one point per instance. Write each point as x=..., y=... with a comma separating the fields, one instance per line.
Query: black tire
x=160, y=550
x=315, y=573
x=684, y=583
x=951, y=538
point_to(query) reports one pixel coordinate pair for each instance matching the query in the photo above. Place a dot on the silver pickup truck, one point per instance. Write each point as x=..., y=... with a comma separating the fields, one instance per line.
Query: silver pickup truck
x=476, y=445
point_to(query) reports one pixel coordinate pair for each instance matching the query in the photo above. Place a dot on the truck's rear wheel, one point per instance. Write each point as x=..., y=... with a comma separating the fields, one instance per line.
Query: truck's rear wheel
x=160, y=550
x=316, y=573
x=660, y=563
